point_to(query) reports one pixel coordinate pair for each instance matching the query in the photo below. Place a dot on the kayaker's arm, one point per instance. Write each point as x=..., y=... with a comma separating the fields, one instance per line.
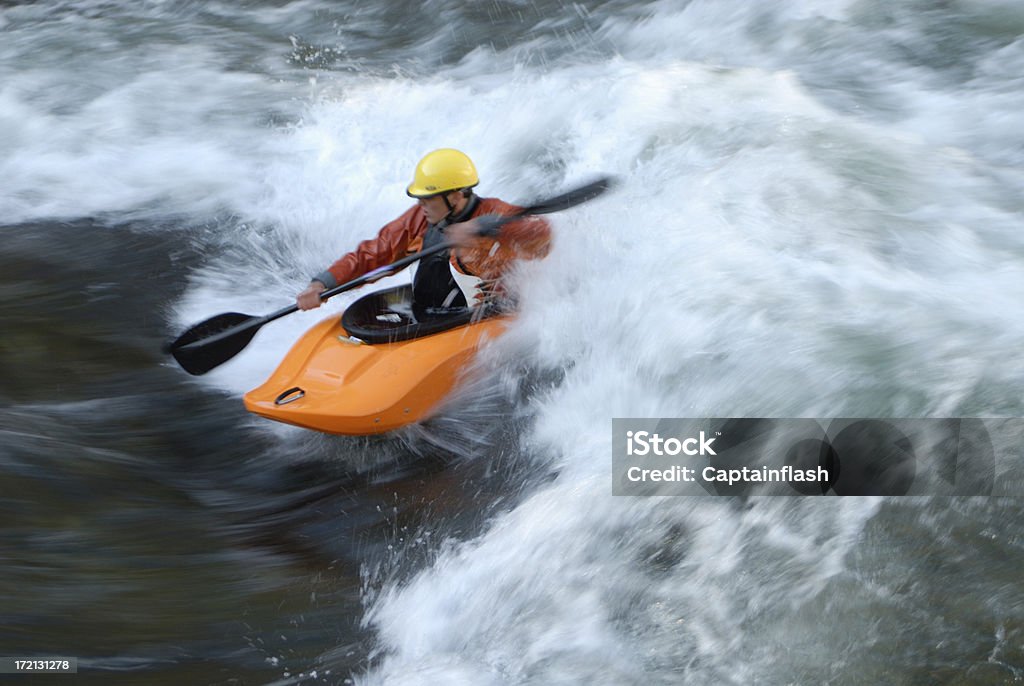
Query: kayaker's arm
x=531, y=236
x=390, y=244
x=528, y=237
x=488, y=244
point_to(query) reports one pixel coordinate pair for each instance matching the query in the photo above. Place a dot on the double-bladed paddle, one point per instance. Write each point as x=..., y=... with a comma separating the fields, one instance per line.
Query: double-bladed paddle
x=216, y=340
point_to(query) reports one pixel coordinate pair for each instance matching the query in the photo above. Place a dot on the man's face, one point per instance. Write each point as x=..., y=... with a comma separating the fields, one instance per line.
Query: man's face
x=434, y=207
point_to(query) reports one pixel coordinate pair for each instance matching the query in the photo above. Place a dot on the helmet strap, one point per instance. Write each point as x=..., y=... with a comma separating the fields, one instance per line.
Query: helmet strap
x=466, y=193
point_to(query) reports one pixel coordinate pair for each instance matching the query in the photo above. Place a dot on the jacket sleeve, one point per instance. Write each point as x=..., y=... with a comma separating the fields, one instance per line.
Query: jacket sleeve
x=396, y=239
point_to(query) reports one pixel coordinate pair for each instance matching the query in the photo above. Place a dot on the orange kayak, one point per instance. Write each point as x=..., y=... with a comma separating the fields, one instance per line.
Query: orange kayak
x=375, y=369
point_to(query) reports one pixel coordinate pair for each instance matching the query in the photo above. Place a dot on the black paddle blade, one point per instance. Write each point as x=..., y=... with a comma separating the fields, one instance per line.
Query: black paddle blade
x=572, y=198
x=213, y=342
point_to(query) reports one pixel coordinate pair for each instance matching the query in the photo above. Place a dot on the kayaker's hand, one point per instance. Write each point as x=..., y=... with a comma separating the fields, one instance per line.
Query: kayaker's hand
x=464, y=234
x=309, y=299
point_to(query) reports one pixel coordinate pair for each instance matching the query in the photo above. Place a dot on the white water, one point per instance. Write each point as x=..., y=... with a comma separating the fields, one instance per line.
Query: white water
x=811, y=223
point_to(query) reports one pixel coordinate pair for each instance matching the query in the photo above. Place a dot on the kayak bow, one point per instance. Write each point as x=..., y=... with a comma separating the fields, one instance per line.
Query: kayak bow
x=336, y=381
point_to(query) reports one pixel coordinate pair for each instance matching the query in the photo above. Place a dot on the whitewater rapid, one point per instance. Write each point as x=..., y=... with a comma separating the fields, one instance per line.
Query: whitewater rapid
x=818, y=215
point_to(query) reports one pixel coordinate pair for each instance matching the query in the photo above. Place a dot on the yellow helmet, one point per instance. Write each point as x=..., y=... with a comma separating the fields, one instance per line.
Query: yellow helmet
x=441, y=171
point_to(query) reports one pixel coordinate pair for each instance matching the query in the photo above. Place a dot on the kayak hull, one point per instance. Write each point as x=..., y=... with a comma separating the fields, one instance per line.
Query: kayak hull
x=335, y=383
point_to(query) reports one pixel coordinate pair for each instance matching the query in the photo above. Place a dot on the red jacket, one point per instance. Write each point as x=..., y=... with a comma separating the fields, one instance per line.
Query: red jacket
x=527, y=238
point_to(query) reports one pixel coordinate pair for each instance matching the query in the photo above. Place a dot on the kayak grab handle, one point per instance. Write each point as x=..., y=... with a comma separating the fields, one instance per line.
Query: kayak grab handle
x=290, y=396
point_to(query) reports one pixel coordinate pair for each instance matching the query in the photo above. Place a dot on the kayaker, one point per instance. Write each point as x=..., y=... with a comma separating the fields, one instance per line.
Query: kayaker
x=446, y=208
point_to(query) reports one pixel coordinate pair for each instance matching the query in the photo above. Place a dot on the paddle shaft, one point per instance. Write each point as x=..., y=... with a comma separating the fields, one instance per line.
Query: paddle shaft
x=203, y=347
x=490, y=228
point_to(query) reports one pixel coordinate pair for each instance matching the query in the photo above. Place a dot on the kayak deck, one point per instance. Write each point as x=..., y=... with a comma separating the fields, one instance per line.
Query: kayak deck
x=333, y=382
